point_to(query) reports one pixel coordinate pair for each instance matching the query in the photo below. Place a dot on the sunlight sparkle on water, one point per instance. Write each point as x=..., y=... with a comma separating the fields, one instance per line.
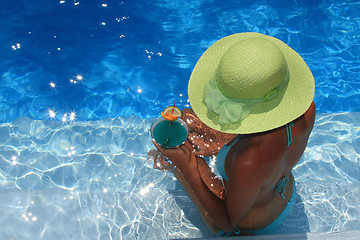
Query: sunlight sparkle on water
x=29, y=217
x=52, y=84
x=52, y=113
x=14, y=160
x=121, y=19
x=16, y=47
x=64, y=118
x=146, y=189
x=71, y=151
x=72, y=116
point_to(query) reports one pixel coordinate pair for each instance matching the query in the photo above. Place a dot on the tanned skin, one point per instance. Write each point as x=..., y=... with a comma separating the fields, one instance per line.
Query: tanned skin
x=254, y=164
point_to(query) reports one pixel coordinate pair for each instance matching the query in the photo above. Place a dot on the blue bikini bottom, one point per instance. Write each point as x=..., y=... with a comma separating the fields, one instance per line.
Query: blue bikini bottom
x=273, y=227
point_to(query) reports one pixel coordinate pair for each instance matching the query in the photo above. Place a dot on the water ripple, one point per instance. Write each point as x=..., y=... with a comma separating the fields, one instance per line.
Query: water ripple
x=92, y=179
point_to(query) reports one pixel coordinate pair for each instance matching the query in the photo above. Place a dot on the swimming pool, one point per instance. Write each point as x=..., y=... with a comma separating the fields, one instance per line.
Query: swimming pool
x=81, y=82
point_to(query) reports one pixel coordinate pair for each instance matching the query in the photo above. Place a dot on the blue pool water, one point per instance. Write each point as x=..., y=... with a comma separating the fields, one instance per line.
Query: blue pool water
x=81, y=82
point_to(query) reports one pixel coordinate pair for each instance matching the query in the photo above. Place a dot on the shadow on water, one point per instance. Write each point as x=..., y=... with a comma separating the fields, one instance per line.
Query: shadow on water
x=296, y=223
x=190, y=211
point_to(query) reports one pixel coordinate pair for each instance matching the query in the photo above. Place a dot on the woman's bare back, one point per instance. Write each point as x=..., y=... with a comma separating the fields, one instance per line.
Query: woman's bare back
x=272, y=151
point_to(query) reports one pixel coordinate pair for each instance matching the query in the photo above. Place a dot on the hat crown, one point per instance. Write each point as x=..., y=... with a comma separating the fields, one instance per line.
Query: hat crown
x=250, y=69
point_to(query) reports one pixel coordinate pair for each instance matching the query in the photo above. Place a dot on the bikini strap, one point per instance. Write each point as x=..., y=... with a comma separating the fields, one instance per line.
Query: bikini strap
x=234, y=140
x=280, y=186
x=289, y=133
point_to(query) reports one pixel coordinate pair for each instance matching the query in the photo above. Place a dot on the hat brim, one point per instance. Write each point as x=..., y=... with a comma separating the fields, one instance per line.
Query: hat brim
x=292, y=102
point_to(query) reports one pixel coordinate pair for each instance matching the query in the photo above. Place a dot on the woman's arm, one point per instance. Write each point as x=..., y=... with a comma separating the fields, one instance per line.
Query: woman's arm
x=240, y=195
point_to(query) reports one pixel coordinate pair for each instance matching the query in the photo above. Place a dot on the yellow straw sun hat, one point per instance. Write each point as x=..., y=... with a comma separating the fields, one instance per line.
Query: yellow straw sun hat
x=248, y=83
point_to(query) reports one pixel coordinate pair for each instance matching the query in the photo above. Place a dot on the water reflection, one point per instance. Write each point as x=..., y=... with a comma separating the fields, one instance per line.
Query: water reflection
x=52, y=84
x=16, y=47
x=85, y=171
x=52, y=114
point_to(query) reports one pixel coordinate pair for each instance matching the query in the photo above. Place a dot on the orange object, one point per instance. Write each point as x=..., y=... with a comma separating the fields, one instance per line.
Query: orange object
x=169, y=117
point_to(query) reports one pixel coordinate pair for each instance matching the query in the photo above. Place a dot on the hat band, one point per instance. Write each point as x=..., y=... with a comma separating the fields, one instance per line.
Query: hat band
x=232, y=110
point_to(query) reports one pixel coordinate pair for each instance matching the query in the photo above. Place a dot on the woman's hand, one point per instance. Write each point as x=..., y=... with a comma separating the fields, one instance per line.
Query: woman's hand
x=183, y=156
x=160, y=161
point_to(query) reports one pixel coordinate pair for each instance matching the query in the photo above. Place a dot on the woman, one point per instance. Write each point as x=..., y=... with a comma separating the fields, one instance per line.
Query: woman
x=252, y=100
